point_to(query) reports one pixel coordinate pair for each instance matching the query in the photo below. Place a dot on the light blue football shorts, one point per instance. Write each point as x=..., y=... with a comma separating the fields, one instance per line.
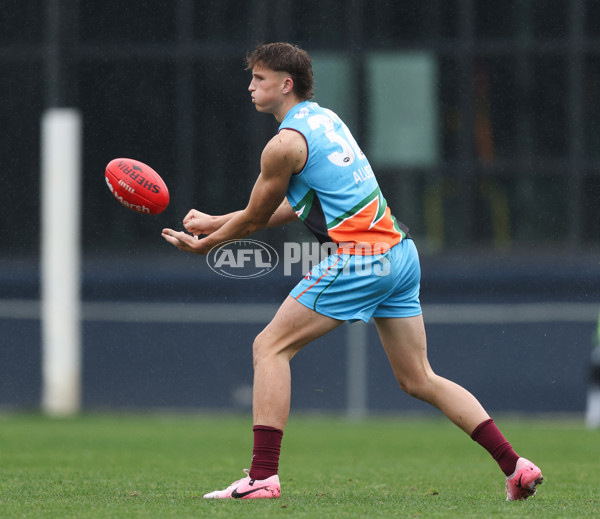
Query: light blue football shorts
x=352, y=287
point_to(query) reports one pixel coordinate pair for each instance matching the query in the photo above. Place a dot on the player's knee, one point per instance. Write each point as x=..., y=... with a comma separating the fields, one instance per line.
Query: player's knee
x=262, y=347
x=417, y=386
x=258, y=348
x=265, y=347
x=409, y=387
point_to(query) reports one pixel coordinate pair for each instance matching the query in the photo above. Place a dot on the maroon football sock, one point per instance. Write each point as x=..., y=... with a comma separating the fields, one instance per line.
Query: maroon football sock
x=265, y=455
x=491, y=439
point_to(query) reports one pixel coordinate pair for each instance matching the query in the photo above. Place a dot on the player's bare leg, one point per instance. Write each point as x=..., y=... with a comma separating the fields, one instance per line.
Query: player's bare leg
x=406, y=347
x=293, y=327
x=405, y=344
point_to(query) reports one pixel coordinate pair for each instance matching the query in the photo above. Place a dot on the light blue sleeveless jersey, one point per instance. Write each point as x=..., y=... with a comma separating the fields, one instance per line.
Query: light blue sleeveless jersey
x=336, y=194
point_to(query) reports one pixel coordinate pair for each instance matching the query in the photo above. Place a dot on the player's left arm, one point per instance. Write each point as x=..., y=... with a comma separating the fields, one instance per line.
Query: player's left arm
x=284, y=155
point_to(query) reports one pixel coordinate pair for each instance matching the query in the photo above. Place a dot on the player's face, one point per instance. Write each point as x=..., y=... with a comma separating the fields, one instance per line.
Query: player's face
x=266, y=89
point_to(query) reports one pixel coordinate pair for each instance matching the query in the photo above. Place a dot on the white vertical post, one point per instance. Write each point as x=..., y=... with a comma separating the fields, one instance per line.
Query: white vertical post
x=356, y=377
x=60, y=260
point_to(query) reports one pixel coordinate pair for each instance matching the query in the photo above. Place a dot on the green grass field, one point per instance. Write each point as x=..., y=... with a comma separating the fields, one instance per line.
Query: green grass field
x=129, y=466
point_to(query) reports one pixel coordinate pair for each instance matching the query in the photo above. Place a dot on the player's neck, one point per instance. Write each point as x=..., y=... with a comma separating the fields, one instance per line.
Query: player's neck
x=285, y=107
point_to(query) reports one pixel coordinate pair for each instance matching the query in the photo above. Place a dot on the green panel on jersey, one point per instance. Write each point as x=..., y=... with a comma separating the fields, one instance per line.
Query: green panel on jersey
x=403, y=110
x=302, y=208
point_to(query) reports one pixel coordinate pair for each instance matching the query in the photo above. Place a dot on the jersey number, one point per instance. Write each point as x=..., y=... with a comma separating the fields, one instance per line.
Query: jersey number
x=350, y=149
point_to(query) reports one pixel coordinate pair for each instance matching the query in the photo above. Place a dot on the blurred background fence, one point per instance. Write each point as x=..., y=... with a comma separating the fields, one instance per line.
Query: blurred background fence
x=480, y=118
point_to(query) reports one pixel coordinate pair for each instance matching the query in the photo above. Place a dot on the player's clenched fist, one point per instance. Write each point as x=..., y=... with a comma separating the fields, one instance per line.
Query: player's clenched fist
x=198, y=223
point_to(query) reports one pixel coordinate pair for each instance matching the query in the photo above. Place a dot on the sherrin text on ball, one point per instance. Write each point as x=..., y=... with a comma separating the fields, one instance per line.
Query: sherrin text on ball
x=137, y=186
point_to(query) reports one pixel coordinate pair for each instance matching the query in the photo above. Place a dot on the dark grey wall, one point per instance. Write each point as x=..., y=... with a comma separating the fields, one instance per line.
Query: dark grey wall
x=510, y=366
x=515, y=367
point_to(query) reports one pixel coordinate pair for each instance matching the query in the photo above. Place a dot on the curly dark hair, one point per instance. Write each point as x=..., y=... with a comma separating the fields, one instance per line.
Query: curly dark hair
x=285, y=57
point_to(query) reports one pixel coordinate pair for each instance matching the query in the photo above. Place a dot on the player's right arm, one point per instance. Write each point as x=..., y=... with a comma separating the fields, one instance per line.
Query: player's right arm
x=197, y=222
x=283, y=214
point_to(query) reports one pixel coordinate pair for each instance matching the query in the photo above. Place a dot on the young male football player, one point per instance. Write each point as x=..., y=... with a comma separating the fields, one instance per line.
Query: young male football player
x=313, y=170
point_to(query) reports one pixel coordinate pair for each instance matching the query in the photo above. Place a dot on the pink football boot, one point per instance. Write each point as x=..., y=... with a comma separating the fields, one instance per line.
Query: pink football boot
x=521, y=484
x=247, y=488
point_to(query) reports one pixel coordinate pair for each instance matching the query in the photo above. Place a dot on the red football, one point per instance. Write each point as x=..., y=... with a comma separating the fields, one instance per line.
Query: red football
x=137, y=186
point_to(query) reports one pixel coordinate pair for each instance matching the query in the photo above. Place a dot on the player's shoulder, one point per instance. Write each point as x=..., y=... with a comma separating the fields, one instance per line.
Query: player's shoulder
x=287, y=148
x=286, y=141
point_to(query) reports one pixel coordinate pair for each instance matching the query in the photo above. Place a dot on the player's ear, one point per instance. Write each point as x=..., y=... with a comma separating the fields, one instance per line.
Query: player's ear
x=288, y=85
